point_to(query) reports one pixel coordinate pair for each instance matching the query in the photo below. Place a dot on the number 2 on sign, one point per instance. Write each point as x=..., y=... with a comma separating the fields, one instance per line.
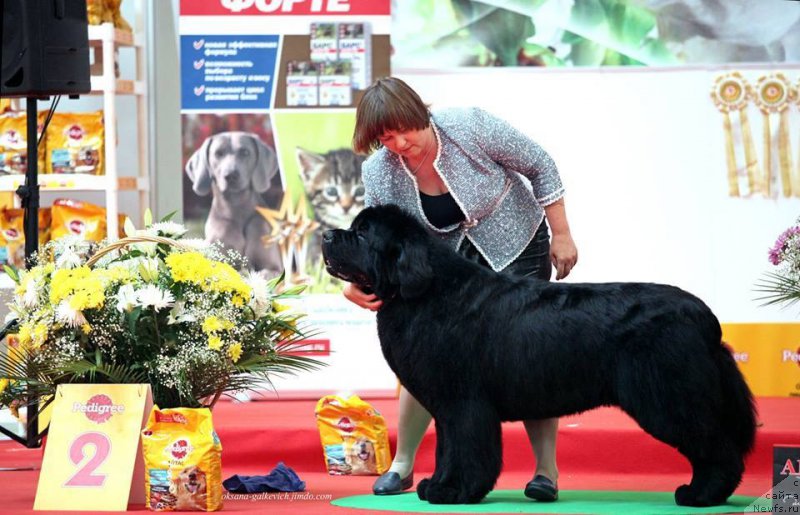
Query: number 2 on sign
x=85, y=475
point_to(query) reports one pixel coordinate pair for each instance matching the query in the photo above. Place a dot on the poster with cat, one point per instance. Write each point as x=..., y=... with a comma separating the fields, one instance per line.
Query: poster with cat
x=320, y=165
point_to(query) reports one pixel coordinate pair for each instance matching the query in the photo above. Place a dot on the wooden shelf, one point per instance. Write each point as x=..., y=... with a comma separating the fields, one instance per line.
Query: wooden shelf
x=75, y=182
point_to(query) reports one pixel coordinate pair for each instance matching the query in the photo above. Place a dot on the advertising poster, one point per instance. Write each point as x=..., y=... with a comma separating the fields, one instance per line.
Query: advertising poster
x=268, y=97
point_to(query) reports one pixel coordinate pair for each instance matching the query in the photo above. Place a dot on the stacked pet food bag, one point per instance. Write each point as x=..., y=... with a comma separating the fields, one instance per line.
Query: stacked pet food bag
x=73, y=143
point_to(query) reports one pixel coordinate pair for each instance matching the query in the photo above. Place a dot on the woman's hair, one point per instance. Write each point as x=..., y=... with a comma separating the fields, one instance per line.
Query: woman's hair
x=389, y=104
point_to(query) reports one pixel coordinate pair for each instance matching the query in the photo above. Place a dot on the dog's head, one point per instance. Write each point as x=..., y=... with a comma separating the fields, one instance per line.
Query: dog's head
x=234, y=161
x=364, y=449
x=192, y=480
x=385, y=250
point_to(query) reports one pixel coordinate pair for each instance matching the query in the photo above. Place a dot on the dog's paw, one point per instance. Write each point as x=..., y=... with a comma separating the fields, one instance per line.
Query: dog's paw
x=422, y=488
x=685, y=495
x=438, y=493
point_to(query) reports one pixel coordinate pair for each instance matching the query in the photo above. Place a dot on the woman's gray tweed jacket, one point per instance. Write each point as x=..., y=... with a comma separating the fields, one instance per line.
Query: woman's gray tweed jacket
x=480, y=160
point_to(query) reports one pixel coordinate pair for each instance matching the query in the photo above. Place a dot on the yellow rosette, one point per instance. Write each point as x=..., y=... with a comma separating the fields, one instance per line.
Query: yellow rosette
x=730, y=93
x=772, y=96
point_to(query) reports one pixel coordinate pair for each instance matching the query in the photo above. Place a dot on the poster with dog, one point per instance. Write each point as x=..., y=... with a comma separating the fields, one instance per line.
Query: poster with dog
x=230, y=169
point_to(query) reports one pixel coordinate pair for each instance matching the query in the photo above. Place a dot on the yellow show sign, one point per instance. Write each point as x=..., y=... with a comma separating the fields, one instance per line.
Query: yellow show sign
x=768, y=355
x=92, y=447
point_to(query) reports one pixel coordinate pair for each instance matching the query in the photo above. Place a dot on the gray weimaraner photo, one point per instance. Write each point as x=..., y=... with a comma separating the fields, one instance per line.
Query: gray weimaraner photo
x=236, y=168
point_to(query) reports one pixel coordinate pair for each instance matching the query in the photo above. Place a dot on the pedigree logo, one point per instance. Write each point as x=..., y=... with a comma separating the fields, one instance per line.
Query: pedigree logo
x=179, y=449
x=346, y=425
x=288, y=6
x=76, y=132
x=99, y=408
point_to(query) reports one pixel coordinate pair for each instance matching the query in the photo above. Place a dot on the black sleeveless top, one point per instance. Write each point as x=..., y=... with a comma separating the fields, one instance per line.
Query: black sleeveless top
x=441, y=210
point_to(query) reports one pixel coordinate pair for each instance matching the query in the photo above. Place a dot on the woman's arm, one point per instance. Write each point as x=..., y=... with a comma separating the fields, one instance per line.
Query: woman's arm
x=563, y=252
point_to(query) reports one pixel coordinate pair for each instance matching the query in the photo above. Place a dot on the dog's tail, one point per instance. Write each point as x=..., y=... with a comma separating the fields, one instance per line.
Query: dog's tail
x=739, y=409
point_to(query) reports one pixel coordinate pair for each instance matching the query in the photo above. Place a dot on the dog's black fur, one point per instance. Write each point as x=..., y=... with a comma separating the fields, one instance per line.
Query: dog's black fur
x=476, y=348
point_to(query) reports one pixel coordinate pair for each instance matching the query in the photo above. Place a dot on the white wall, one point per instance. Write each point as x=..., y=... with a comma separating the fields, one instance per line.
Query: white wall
x=641, y=153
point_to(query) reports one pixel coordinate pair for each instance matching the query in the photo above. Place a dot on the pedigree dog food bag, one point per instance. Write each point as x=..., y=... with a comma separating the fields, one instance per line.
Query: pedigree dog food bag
x=77, y=218
x=76, y=143
x=14, y=144
x=354, y=437
x=182, y=461
x=12, y=234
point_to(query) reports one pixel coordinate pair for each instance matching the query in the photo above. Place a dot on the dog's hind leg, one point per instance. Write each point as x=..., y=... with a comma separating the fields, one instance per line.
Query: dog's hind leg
x=686, y=415
x=471, y=454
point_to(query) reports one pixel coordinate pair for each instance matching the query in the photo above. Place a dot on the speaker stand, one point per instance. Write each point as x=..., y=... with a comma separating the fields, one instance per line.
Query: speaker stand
x=29, y=197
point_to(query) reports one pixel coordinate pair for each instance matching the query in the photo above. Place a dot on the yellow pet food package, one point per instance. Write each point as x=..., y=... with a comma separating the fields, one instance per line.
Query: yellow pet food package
x=354, y=437
x=76, y=143
x=76, y=218
x=12, y=235
x=97, y=12
x=14, y=144
x=182, y=461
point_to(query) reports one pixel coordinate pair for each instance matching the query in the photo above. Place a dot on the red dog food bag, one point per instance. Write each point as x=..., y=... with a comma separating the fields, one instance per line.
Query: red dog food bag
x=182, y=460
x=354, y=437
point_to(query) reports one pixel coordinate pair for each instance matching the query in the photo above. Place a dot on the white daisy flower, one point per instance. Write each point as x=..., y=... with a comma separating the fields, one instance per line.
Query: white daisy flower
x=259, y=294
x=152, y=295
x=168, y=229
x=69, y=316
x=126, y=298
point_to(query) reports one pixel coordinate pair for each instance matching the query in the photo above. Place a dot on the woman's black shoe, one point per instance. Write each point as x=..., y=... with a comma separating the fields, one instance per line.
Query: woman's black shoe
x=541, y=488
x=390, y=484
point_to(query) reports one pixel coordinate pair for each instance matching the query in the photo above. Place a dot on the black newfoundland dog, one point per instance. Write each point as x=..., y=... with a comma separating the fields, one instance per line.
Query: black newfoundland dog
x=476, y=348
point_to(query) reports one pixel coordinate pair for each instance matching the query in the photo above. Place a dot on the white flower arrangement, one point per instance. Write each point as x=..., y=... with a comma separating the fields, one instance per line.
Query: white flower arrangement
x=147, y=309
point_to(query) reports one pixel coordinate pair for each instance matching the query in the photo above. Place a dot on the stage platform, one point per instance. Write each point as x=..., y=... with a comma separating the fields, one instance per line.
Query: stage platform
x=598, y=450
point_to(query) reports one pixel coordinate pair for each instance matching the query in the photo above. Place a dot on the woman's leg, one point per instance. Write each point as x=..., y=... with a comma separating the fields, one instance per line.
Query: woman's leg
x=411, y=426
x=542, y=434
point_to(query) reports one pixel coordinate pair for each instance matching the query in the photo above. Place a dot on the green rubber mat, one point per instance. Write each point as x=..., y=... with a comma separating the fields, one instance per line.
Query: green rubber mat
x=569, y=501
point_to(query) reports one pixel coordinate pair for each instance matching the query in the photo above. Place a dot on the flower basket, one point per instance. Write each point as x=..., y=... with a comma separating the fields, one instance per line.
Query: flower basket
x=149, y=308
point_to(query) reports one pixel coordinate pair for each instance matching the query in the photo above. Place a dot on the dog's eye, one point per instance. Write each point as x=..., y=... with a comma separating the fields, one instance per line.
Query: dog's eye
x=244, y=152
x=219, y=153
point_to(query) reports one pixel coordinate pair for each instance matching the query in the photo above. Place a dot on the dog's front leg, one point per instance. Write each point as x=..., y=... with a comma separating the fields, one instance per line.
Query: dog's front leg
x=468, y=454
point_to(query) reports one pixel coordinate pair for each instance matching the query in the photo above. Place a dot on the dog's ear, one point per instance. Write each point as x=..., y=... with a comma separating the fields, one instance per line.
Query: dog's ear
x=199, y=170
x=414, y=272
x=266, y=165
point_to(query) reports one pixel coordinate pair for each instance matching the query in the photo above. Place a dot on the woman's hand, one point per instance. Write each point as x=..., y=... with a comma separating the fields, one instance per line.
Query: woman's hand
x=563, y=254
x=355, y=295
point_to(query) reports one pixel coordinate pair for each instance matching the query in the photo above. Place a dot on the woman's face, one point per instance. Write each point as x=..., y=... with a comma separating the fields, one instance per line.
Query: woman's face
x=409, y=144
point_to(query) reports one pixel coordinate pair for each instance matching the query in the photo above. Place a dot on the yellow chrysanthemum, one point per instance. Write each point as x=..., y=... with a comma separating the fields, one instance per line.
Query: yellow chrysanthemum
x=86, y=328
x=3, y=384
x=39, y=334
x=237, y=301
x=83, y=288
x=212, y=324
x=214, y=342
x=25, y=334
x=235, y=352
x=214, y=276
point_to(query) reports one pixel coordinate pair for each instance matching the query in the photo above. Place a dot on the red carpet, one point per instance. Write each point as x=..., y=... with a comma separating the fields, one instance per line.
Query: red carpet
x=600, y=449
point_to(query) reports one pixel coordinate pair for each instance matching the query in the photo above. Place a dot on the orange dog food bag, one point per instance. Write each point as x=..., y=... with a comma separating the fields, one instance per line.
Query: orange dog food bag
x=182, y=460
x=76, y=143
x=354, y=437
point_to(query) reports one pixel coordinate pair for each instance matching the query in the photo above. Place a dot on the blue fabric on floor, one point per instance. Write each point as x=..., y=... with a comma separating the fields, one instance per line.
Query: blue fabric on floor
x=280, y=479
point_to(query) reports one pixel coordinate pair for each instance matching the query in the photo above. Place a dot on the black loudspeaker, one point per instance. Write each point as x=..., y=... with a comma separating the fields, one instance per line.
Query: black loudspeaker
x=45, y=48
